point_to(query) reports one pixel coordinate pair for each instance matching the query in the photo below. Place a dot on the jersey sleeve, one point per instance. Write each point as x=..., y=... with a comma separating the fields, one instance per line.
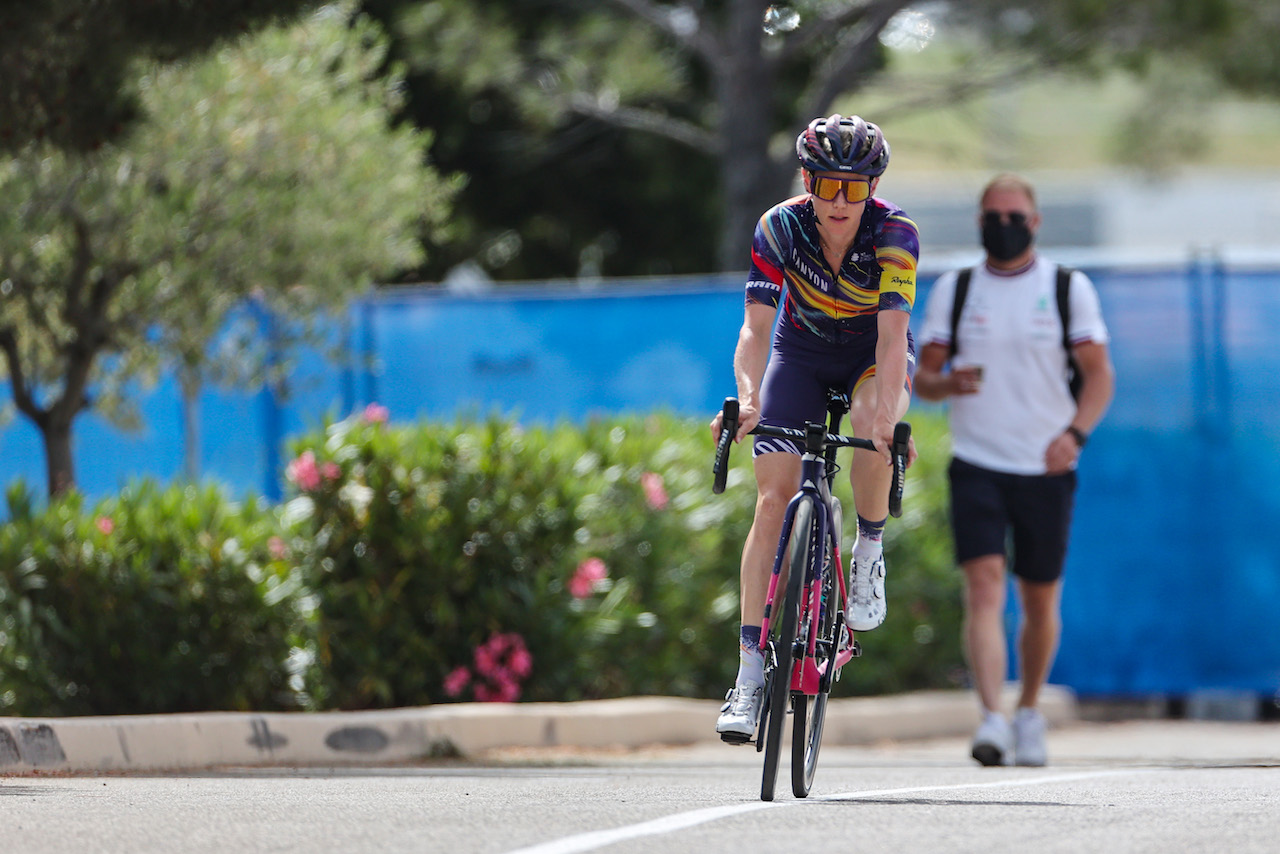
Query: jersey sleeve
x=898, y=253
x=936, y=328
x=1087, y=324
x=768, y=251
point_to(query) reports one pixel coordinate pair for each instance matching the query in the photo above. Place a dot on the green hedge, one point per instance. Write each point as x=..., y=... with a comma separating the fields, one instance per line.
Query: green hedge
x=432, y=563
x=159, y=600
x=422, y=545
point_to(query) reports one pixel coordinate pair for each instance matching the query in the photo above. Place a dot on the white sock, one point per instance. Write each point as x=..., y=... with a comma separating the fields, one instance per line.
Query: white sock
x=750, y=666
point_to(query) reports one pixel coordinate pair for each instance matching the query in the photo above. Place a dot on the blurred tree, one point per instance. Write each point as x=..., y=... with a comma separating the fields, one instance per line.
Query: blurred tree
x=552, y=98
x=1234, y=38
x=268, y=170
x=1186, y=52
x=654, y=132
x=65, y=75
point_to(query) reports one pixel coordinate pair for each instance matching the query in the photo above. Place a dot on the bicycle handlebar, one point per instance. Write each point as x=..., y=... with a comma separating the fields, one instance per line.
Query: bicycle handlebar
x=728, y=430
x=899, y=450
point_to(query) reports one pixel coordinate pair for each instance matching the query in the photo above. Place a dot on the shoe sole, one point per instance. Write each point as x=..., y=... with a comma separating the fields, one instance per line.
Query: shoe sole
x=988, y=755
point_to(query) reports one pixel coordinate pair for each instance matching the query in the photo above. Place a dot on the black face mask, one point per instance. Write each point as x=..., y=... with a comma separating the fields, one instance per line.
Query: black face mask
x=1005, y=241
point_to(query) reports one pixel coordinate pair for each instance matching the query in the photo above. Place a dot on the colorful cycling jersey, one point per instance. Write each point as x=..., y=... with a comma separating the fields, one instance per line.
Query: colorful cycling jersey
x=879, y=272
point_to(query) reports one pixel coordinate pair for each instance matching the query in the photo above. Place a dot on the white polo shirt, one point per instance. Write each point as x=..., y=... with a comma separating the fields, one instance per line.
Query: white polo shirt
x=1011, y=327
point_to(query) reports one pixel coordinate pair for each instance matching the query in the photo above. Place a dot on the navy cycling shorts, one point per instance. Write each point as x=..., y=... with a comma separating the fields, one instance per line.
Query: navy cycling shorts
x=987, y=506
x=797, y=379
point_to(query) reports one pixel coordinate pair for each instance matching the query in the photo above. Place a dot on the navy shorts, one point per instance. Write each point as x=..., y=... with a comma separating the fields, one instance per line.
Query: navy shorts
x=797, y=379
x=988, y=506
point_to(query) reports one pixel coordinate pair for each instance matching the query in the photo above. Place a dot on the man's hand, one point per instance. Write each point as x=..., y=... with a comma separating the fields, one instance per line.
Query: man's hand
x=966, y=380
x=1061, y=454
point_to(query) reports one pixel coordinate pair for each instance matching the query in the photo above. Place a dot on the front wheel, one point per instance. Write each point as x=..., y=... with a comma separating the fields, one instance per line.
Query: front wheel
x=782, y=640
x=809, y=711
x=806, y=740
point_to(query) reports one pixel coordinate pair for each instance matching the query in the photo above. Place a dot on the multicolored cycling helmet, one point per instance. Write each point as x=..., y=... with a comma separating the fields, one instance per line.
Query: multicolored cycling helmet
x=840, y=144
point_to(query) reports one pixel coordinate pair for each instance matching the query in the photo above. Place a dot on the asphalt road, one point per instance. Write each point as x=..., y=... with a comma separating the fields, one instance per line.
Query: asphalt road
x=1151, y=786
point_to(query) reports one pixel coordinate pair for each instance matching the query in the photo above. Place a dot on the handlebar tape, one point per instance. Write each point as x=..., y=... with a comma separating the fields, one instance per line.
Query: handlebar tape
x=728, y=430
x=900, y=454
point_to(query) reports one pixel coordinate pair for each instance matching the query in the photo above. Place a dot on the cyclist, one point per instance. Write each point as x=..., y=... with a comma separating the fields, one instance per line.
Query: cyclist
x=841, y=262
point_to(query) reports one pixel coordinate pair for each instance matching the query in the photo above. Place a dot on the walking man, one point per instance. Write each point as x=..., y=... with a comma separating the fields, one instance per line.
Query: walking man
x=1030, y=378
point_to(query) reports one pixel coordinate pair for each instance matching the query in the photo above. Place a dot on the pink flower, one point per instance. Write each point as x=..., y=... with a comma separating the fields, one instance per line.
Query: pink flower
x=303, y=471
x=486, y=660
x=456, y=681
x=654, y=491
x=331, y=470
x=521, y=662
x=375, y=414
x=583, y=582
x=277, y=547
x=105, y=524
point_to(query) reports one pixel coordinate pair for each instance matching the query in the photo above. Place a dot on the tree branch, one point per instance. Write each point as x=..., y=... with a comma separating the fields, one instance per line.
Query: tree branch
x=852, y=55
x=829, y=21
x=682, y=23
x=651, y=121
x=22, y=397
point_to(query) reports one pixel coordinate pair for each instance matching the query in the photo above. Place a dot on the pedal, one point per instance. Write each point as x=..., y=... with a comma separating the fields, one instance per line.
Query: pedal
x=735, y=738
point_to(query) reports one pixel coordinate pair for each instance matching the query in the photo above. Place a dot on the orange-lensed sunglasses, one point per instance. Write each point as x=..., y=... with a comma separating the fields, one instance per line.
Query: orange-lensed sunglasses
x=855, y=189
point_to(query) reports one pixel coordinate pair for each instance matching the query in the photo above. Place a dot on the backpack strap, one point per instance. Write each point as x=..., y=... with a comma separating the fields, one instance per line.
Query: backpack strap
x=1074, y=378
x=1064, y=304
x=957, y=305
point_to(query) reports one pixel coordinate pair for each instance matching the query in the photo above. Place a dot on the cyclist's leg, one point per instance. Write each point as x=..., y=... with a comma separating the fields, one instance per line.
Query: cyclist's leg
x=870, y=478
x=869, y=475
x=790, y=394
x=777, y=475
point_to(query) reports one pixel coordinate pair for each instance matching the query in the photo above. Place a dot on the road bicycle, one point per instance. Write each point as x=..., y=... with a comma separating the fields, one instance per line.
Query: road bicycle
x=803, y=636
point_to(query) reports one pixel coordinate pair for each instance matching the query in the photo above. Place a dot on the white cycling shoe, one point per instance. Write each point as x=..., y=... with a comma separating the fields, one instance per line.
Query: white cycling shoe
x=867, y=606
x=740, y=712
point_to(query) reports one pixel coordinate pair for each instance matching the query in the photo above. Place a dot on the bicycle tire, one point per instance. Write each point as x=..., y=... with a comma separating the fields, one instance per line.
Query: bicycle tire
x=809, y=713
x=783, y=643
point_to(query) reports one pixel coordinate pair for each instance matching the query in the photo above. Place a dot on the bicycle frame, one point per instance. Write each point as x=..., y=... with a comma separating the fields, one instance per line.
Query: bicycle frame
x=807, y=676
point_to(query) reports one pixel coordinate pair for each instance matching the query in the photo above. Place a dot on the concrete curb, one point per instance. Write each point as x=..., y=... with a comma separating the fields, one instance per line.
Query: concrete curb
x=301, y=739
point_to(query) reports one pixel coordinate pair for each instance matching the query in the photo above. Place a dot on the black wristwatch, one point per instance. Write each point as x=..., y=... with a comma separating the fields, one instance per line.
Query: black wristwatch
x=1079, y=435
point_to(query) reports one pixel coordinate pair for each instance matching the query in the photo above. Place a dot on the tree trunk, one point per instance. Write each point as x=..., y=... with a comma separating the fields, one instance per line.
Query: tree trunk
x=190, y=384
x=752, y=181
x=59, y=465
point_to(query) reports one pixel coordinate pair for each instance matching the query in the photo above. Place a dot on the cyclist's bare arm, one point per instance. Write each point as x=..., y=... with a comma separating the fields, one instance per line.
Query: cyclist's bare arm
x=891, y=378
x=749, y=360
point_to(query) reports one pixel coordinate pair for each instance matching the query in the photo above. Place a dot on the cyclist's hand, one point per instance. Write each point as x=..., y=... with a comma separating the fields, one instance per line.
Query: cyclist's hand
x=748, y=418
x=911, y=451
x=882, y=435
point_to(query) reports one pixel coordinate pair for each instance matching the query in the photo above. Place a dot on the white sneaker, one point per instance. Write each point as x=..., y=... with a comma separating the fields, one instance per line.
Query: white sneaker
x=867, y=606
x=993, y=742
x=740, y=712
x=1028, y=730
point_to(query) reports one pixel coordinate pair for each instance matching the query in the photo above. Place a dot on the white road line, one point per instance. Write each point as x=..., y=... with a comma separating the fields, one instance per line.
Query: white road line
x=600, y=838
x=679, y=821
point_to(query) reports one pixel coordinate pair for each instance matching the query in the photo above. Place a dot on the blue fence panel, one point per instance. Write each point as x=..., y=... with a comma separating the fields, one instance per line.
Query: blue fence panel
x=1173, y=575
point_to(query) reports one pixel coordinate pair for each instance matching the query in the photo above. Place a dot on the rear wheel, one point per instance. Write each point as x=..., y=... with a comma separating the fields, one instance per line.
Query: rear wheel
x=786, y=618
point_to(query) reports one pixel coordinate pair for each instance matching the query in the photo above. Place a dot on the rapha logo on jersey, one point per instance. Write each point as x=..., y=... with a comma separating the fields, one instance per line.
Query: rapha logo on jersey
x=902, y=281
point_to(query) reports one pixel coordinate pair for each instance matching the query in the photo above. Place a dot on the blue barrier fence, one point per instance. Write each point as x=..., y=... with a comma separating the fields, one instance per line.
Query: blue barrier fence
x=1174, y=571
